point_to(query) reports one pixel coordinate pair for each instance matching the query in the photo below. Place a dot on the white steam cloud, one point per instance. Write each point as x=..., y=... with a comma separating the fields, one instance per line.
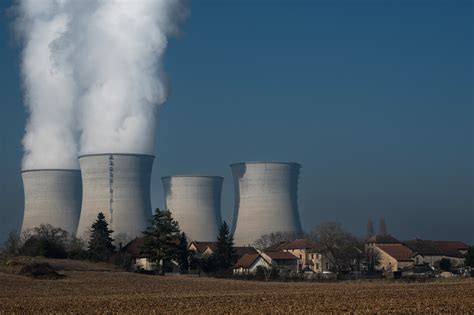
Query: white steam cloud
x=93, y=76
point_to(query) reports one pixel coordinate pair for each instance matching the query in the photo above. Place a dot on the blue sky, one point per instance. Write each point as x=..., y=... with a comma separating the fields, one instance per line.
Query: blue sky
x=373, y=98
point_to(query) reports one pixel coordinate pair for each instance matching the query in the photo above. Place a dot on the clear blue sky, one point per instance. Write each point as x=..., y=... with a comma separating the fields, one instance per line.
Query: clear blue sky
x=374, y=98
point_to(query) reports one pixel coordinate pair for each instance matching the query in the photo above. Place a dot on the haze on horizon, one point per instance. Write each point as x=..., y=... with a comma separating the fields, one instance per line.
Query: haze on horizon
x=375, y=100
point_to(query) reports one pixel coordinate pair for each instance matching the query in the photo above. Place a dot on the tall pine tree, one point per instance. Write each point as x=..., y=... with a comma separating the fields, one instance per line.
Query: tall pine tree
x=182, y=254
x=161, y=239
x=224, y=256
x=100, y=243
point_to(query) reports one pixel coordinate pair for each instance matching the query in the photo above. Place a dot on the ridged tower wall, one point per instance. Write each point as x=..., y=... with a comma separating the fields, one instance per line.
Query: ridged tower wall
x=195, y=202
x=266, y=199
x=117, y=185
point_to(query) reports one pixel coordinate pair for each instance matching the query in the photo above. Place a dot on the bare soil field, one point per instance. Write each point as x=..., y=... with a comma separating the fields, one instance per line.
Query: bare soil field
x=120, y=292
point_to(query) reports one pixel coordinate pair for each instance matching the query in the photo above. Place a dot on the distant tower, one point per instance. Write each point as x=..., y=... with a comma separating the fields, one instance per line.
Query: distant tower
x=195, y=202
x=382, y=227
x=52, y=196
x=370, y=228
x=118, y=185
x=266, y=199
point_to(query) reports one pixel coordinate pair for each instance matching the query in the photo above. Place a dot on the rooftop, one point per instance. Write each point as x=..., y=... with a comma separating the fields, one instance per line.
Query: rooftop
x=246, y=261
x=399, y=252
x=437, y=248
x=382, y=239
x=281, y=256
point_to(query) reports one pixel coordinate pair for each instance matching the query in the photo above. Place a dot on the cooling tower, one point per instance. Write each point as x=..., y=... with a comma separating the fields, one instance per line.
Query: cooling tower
x=265, y=199
x=118, y=185
x=195, y=202
x=52, y=197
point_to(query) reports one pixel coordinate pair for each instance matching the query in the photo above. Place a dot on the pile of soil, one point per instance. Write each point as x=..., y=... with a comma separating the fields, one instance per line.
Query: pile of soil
x=39, y=271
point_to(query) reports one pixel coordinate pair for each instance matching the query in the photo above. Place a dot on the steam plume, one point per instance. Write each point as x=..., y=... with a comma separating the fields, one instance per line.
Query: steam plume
x=50, y=140
x=102, y=61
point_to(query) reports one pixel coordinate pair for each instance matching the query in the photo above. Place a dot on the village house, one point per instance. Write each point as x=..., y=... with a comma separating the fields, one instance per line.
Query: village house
x=381, y=239
x=282, y=261
x=133, y=248
x=202, y=249
x=248, y=264
x=309, y=254
x=431, y=252
x=206, y=249
x=394, y=257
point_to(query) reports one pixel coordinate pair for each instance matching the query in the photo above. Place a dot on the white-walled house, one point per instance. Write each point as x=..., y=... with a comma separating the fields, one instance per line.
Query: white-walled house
x=248, y=264
x=431, y=252
x=394, y=257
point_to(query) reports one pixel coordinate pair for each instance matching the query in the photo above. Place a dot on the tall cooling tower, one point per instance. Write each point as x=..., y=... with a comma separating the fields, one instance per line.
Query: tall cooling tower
x=118, y=185
x=265, y=199
x=52, y=197
x=195, y=202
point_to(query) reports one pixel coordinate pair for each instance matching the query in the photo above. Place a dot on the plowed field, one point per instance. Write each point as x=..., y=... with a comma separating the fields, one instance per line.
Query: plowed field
x=120, y=292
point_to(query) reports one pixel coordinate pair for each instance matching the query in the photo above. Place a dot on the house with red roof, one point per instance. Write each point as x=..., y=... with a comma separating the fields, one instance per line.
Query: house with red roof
x=284, y=261
x=206, y=249
x=431, y=252
x=309, y=253
x=394, y=257
x=248, y=264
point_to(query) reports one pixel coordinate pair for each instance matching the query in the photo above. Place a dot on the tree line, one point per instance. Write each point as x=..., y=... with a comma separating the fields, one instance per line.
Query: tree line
x=163, y=242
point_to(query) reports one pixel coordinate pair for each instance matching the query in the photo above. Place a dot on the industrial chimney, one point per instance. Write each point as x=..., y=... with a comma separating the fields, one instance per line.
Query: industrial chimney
x=265, y=199
x=118, y=185
x=195, y=202
x=52, y=196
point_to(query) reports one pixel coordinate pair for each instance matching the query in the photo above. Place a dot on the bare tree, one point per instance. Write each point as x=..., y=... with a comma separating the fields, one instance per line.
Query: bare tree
x=275, y=238
x=12, y=245
x=382, y=227
x=339, y=246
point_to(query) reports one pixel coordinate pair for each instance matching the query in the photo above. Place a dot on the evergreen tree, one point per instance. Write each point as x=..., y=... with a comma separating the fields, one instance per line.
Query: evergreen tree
x=224, y=255
x=469, y=257
x=100, y=243
x=161, y=239
x=182, y=254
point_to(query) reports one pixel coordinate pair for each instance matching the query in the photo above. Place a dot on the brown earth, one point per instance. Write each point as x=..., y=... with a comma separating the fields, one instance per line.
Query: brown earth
x=121, y=292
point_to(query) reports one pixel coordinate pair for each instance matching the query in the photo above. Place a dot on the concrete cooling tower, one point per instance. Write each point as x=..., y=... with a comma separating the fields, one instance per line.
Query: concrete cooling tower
x=265, y=199
x=118, y=185
x=52, y=197
x=195, y=202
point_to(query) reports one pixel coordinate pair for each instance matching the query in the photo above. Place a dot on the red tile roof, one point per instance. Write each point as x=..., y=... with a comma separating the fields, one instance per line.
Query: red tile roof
x=134, y=247
x=382, y=239
x=244, y=250
x=202, y=246
x=246, y=261
x=277, y=247
x=437, y=248
x=239, y=250
x=397, y=251
x=281, y=255
x=303, y=243
x=451, y=245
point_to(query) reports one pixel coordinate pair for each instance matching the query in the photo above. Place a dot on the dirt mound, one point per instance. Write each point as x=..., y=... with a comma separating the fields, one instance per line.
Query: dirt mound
x=39, y=271
x=29, y=267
